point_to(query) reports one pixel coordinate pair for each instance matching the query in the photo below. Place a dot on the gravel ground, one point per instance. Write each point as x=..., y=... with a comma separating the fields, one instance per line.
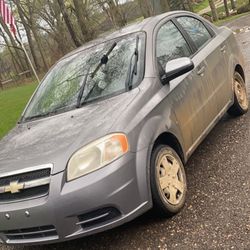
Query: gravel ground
x=217, y=213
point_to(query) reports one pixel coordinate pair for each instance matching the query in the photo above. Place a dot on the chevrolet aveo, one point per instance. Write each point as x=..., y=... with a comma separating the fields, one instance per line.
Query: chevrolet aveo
x=107, y=132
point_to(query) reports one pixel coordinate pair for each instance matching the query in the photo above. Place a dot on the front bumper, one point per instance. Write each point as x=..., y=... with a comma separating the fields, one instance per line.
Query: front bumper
x=96, y=202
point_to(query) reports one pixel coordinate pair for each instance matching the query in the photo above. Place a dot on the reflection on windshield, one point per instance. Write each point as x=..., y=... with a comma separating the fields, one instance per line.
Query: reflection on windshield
x=59, y=90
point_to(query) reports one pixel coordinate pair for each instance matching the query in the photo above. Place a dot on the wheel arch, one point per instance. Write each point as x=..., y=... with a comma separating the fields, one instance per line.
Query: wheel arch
x=240, y=70
x=167, y=138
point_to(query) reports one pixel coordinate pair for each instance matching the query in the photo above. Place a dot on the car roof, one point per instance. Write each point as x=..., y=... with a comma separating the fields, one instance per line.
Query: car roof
x=133, y=28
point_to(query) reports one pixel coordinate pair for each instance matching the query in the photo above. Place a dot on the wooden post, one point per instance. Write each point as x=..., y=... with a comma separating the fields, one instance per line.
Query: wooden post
x=30, y=62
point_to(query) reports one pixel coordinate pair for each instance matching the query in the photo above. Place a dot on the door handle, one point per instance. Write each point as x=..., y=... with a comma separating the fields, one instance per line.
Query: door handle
x=201, y=71
x=223, y=49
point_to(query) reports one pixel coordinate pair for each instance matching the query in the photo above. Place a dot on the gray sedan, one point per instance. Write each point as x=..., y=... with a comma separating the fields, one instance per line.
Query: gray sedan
x=107, y=133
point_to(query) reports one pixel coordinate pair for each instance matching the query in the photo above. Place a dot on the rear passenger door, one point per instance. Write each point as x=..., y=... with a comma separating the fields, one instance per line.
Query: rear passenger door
x=212, y=49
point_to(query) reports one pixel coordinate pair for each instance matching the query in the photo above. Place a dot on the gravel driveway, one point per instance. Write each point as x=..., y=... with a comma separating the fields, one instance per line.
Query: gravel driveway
x=217, y=213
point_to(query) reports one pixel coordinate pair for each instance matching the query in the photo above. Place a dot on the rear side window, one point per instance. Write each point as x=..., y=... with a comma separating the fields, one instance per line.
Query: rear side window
x=170, y=44
x=195, y=29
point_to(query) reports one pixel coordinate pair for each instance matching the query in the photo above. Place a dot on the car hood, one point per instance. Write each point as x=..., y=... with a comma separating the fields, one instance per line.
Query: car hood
x=55, y=139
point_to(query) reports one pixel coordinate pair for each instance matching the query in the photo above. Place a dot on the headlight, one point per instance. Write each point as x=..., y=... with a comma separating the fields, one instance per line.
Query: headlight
x=97, y=155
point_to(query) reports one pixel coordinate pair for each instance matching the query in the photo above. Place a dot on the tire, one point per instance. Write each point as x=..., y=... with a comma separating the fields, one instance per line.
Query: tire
x=241, y=104
x=169, y=193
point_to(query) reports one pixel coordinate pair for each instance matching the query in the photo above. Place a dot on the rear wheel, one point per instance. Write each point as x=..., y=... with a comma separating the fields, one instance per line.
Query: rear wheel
x=168, y=181
x=241, y=103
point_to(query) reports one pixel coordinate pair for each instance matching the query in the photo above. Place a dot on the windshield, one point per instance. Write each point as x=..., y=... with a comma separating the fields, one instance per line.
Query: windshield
x=59, y=91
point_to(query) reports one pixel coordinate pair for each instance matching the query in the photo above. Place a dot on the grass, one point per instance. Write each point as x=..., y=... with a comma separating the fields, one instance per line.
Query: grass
x=230, y=18
x=12, y=103
x=241, y=2
x=221, y=9
x=202, y=5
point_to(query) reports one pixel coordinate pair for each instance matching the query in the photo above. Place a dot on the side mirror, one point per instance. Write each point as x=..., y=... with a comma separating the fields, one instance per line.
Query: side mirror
x=178, y=67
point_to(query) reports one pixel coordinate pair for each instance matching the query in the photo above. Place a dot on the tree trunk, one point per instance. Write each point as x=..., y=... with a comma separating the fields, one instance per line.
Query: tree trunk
x=187, y=5
x=14, y=61
x=214, y=10
x=32, y=46
x=59, y=34
x=146, y=8
x=80, y=15
x=25, y=58
x=115, y=13
x=39, y=45
x=165, y=5
x=29, y=36
x=68, y=23
x=233, y=4
x=226, y=8
x=160, y=6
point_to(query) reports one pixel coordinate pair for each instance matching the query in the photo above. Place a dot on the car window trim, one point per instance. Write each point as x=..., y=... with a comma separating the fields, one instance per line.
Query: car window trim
x=210, y=31
x=156, y=31
x=185, y=35
x=202, y=20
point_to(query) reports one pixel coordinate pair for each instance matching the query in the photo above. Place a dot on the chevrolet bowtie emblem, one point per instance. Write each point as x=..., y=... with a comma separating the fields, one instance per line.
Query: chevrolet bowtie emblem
x=14, y=187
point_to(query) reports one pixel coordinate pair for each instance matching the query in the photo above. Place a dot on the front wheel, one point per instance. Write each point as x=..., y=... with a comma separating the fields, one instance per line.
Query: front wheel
x=168, y=181
x=241, y=104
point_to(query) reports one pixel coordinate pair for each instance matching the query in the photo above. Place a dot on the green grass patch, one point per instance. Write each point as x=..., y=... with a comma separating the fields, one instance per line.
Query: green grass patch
x=221, y=9
x=200, y=6
x=12, y=103
x=241, y=2
x=230, y=18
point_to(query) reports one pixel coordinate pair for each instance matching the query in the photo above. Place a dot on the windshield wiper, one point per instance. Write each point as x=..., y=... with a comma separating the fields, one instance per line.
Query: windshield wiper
x=134, y=64
x=104, y=60
x=81, y=91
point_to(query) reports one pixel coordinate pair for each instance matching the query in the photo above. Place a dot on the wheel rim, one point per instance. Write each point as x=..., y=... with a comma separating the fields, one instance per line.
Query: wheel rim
x=241, y=94
x=170, y=178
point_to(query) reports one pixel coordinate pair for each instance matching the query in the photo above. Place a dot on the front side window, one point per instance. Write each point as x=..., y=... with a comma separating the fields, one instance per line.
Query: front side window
x=79, y=76
x=170, y=44
x=195, y=29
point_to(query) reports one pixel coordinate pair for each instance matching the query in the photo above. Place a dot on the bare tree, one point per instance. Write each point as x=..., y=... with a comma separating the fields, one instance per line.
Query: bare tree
x=15, y=61
x=26, y=14
x=113, y=11
x=146, y=8
x=68, y=23
x=56, y=28
x=18, y=52
x=187, y=5
x=233, y=4
x=226, y=8
x=81, y=14
x=160, y=6
x=214, y=10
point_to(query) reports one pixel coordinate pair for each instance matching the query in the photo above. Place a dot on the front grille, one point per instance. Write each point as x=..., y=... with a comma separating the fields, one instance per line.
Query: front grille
x=36, y=184
x=31, y=233
x=23, y=177
x=98, y=217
